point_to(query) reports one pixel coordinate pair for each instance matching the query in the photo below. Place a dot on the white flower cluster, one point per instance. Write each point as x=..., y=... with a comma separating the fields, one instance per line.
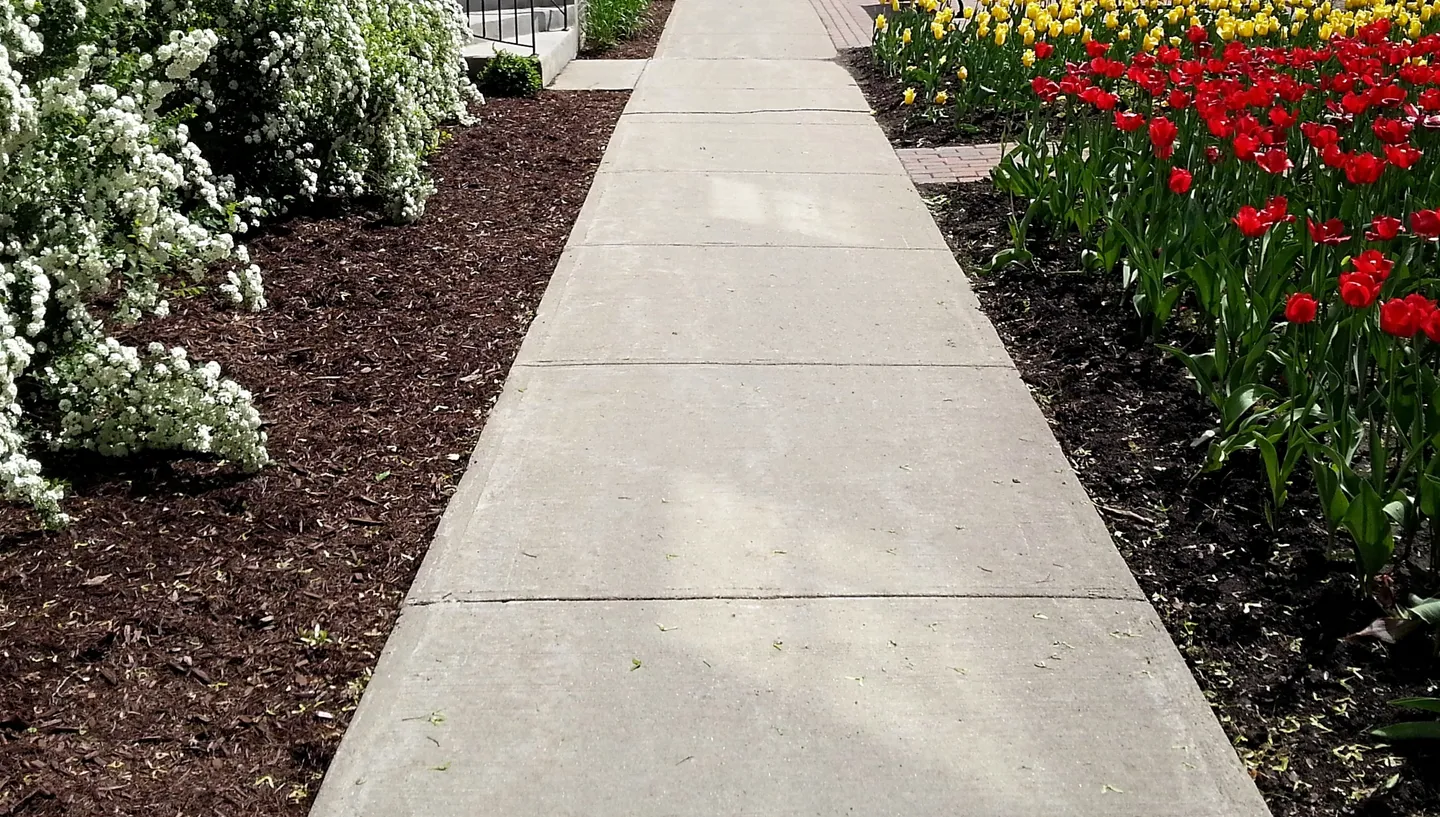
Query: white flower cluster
x=138, y=138
x=332, y=98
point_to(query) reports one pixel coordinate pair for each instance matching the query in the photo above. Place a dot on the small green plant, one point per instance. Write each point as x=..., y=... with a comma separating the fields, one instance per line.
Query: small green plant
x=1412, y=730
x=610, y=21
x=509, y=74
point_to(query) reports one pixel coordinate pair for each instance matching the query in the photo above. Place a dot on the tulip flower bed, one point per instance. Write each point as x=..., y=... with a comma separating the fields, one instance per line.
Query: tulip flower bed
x=1278, y=202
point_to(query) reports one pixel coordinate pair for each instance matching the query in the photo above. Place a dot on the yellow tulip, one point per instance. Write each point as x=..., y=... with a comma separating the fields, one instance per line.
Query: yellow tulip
x=905, y=36
x=937, y=29
x=941, y=97
x=880, y=22
x=1028, y=58
x=963, y=74
x=1054, y=30
x=1124, y=35
x=909, y=97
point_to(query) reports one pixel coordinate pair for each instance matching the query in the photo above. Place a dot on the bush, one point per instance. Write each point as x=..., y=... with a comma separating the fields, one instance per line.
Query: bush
x=610, y=21
x=507, y=74
x=138, y=141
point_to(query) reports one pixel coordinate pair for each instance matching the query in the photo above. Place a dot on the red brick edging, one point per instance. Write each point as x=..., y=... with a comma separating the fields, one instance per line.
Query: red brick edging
x=943, y=165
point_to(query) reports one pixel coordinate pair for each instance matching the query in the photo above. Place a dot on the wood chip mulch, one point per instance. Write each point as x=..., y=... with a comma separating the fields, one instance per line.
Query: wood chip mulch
x=196, y=641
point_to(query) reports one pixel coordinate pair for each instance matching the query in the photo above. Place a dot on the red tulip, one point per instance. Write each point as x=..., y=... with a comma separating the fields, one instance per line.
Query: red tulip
x=1364, y=168
x=1245, y=146
x=1429, y=99
x=1197, y=35
x=1426, y=223
x=1330, y=232
x=1301, y=308
x=1212, y=154
x=1129, y=122
x=1374, y=264
x=1355, y=104
x=1277, y=209
x=1180, y=179
x=1178, y=100
x=1043, y=49
x=1402, y=156
x=1358, y=289
x=1095, y=48
x=1432, y=326
x=1403, y=318
x=1391, y=131
x=1384, y=228
x=1251, y=223
x=1274, y=161
x=1045, y=88
x=1162, y=136
x=1320, y=135
x=1281, y=118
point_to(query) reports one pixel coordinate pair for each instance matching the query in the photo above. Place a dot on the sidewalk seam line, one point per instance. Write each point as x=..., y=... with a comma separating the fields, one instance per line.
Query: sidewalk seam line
x=562, y=364
x=780, y=597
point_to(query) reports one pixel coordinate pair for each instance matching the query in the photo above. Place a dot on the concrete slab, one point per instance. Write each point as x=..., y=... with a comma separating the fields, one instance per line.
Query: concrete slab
x=749, y=147
x=600, y=75
x=986, y=707
x=700, y=481
x=788, y=16
x=764, y=46
x=763, y=74
x=760, y=305
x=796, y=210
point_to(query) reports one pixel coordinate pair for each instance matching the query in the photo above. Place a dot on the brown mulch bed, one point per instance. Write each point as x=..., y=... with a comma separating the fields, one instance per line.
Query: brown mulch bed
x=195, y=641
x=642, y=45
x=907, y=130
x=1260, y=613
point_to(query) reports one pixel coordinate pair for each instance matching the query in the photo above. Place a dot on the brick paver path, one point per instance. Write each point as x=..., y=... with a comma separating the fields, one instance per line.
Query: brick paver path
x=944, y=165
x=847, y=22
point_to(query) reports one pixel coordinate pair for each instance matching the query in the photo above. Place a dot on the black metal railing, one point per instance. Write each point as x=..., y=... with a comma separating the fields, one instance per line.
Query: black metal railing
x=515, y=22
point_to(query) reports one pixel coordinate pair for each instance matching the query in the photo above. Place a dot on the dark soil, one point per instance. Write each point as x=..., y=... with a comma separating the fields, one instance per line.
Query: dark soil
x=1259, y=613
x=195, y=642
x=908, y=130
x=642, y=45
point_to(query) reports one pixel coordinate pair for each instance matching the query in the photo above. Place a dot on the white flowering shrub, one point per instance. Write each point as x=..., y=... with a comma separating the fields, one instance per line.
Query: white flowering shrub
x=138, y=138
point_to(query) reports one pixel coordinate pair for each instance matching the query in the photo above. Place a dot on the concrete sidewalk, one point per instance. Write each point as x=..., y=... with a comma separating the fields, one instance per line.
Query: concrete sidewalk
x=765, y=521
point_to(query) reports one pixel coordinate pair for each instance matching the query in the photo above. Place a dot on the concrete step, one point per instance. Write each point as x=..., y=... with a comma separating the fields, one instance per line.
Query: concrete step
x=514, y=24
